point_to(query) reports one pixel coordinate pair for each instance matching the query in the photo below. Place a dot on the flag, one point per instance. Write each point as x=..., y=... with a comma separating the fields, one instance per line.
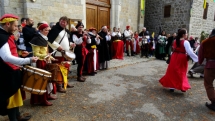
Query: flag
x=142, y=7
x=204, y=4
x=153, y=34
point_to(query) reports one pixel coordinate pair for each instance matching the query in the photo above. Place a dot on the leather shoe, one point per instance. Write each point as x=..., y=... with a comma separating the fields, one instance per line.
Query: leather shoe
x=210, y=106
x=171, y=90
x=191, y=74
x=46, y=103
x=61, y=90
x=83, y=77
x=80, y=79
x=51, y=98
x=24, y=118
x=69, y=86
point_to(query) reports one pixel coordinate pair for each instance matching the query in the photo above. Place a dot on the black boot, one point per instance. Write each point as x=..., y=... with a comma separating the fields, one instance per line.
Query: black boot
x=127, y=53
x=132, y=53
x=210, y=106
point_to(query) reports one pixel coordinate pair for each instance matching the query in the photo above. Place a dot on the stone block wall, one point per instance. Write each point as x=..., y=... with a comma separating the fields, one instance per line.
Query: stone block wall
x=179, y=18
x=130, y=15
x=52, y=10
x=197, y=23
x=12, y=6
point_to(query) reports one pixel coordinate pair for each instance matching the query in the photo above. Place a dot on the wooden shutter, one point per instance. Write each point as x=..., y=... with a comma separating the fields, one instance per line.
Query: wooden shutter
x=167, y=11
x=205, y=14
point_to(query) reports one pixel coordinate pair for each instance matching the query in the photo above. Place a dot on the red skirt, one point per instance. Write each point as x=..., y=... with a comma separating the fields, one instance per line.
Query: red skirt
x=176, y=74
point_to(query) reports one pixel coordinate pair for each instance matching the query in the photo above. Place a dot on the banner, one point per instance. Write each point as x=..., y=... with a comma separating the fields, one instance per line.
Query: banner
x=142, y=7
x=204, y=4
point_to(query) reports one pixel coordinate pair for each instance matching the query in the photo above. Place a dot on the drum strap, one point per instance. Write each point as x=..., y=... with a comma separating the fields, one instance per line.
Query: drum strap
x=61, y=41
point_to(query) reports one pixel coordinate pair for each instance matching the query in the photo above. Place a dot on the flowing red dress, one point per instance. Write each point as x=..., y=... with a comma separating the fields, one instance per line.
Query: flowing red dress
x=176, y=74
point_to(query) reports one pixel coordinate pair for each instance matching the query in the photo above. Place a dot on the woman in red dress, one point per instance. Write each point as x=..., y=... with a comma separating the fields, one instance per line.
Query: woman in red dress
x=175, y=77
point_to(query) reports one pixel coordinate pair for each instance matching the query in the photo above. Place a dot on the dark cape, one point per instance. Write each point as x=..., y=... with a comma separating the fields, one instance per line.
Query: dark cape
x=54, y=32
x=39, y=41
x=103, y=48
x=78, y=49
x=93, y=41
x=146, y=33
x=10, y=79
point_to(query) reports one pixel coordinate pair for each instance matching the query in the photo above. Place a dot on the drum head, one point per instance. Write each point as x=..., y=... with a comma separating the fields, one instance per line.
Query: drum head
x=70, y=54
x=37, y=70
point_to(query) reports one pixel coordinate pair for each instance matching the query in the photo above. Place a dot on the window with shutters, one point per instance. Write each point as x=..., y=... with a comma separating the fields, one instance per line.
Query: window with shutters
x=205, y=14
x=167, y=11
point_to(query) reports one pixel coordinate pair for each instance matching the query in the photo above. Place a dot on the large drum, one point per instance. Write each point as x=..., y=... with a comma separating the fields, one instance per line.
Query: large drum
x=35, y=80
x=56, y=72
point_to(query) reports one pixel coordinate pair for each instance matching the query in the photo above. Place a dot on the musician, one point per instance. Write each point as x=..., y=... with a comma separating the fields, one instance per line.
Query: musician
x=28, y=33
x=145, y=45
x=103, y=49
x=11, y=76
x=58, y=39
x=81, y=40
x=92, y=55
x=128, y=36
x=40, y=49
x=115, y=34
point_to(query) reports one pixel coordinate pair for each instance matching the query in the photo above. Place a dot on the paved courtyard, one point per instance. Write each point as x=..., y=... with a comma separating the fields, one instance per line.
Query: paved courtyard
x=128, y=91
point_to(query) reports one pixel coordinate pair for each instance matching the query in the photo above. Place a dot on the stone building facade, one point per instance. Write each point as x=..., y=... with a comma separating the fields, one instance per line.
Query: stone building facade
x=183, y=14
x=122, y=12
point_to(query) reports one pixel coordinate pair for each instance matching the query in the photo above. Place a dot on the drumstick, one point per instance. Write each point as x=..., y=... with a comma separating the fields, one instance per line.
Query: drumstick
x=51, y=53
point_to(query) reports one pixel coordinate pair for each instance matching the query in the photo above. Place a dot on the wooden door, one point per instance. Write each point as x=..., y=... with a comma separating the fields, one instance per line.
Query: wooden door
x=103, y=17
x=97, y=13
x=92, y=16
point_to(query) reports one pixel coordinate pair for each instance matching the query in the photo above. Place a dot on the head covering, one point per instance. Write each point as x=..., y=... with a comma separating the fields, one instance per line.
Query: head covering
x=43, y=26
x=79, y=24
x=127, y=27
x=91, y=29
x=191, y=37
x=104, y=27
x=8, y=18
x=212, y=33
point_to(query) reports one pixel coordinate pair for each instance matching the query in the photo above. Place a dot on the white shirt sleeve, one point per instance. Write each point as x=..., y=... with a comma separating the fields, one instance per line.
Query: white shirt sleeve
x=88, y=40
x=119, y=34
x=113, y=34
x=190, y=51
x=97, y=41
x=108, y=37
x=5, y=54
x=77, y=40
x=54, y=45
x=127, y=33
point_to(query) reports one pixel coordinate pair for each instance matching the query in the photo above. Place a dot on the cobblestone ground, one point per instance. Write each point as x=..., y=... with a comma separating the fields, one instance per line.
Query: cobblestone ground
x=128, y=91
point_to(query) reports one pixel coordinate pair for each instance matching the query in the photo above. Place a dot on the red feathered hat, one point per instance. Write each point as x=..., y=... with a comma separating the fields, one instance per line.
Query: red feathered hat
x=8, y=18
x=91, y=29
x=127, y=27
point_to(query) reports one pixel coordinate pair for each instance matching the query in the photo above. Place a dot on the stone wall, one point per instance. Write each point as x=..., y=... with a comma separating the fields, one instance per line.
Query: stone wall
x=12, y=6
x=52, y=10
x=179, y=18
x=130, y=15
x=197, y=23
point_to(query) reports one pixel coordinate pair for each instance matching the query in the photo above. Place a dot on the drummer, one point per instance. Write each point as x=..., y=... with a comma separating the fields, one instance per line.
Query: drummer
x=58, y=39
x=40, y=49
x=10, y=94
